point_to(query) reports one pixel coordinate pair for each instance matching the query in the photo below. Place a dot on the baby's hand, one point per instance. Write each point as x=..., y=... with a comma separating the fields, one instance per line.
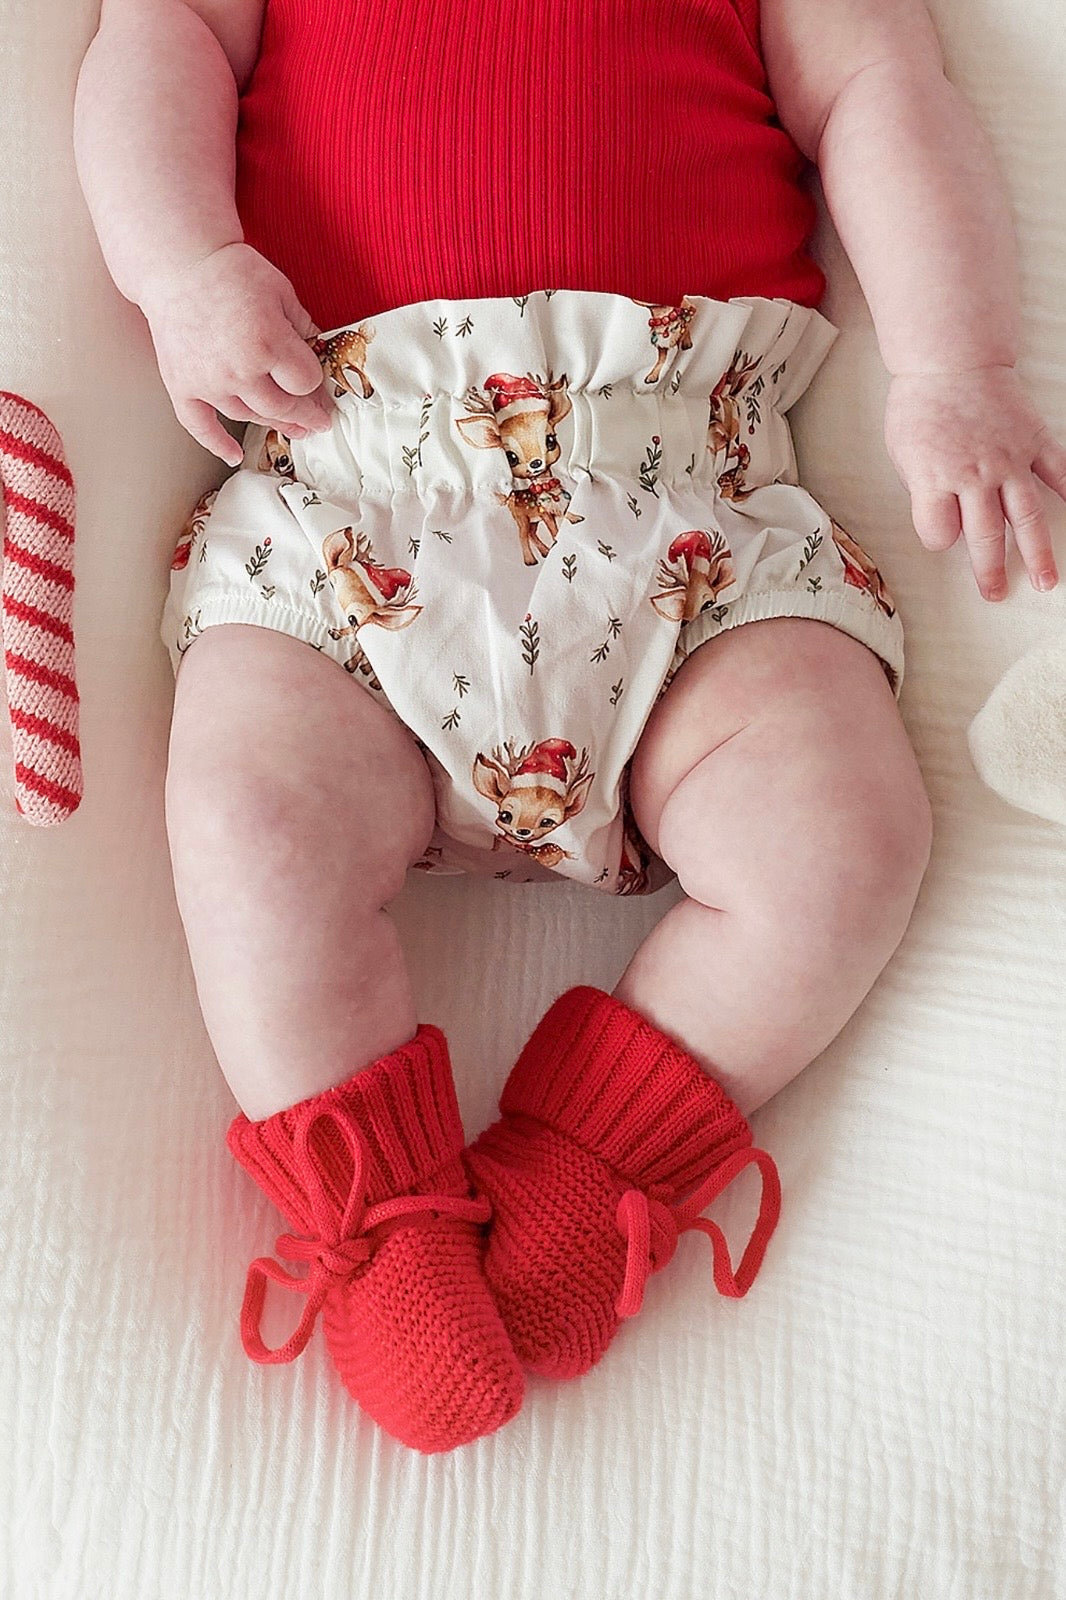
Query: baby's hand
x=230, y=336
x=966, y=445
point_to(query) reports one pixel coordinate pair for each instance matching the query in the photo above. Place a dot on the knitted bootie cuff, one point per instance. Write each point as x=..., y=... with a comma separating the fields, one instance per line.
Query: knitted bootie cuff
x=600, y=1073
x=406, y=1110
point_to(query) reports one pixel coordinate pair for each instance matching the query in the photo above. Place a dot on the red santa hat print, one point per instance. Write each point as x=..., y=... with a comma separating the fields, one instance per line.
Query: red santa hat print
x=511, y=395
x=548, y=760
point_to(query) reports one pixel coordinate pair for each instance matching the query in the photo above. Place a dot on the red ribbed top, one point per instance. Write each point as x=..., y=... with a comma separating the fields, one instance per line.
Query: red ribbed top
x=390, y=151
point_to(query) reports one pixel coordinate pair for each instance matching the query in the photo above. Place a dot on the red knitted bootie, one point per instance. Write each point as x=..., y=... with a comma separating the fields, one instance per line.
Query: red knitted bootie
x=370, y=1172
x=612, y=1141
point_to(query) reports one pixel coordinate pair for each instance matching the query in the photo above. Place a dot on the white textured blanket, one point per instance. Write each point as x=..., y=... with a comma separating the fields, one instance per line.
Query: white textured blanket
x=882, y=1417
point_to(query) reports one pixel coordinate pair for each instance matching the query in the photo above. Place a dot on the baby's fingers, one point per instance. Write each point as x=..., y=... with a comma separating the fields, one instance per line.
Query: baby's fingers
x=231, y=405
x=297, y=369
x=984, y=527
x=268, y=399
x=1025, y=513
x=937, y=520
x=200, y=419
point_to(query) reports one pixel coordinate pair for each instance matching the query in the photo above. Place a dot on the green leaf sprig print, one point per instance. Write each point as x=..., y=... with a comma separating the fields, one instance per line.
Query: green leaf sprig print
x=461, y=686
x=258, y=562
x=614, y=628
x=412, y=454
x=649, y=467
x=751, y=401
x=812, y=545
x=530, y=635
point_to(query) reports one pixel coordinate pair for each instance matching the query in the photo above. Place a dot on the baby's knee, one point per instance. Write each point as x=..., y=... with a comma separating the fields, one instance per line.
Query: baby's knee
x=839, y=842
x=242, y=822
x=881, y=842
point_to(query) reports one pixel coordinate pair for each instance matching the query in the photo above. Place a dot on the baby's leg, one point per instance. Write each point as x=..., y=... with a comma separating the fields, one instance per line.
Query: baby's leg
x=294, y=806
x=776, y=777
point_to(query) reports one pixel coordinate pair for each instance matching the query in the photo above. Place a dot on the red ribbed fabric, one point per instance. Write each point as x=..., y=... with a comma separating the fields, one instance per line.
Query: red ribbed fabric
x=612, y=1141
x=392, y=151
x=370, y=1174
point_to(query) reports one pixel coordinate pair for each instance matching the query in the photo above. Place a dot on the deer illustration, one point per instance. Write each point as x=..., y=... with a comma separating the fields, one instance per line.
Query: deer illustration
x=366, y=593
x=669, y=328
x=345, y=352
x=276, y=456
x=860, y=571
x=192, y=527
x=535, y=789
x=520, y=419
x=723, y=428
x=698, y=567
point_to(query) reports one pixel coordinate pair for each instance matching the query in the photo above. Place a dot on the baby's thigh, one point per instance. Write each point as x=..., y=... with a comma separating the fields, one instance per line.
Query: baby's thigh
x=272, y=737
x=777, y=717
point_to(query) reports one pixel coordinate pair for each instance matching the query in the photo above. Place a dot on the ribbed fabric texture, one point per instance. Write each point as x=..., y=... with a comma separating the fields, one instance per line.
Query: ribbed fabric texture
x=408, y=1317
x=406, y=1110
x=599, y=1072
x=403, y=150
x=600, y=1104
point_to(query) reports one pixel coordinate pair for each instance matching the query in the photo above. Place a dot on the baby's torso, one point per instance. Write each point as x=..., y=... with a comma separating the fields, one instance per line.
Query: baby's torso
x=391, y=151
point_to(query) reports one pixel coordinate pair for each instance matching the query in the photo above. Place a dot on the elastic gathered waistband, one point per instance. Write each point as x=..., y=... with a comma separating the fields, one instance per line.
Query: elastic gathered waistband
x=432, y=394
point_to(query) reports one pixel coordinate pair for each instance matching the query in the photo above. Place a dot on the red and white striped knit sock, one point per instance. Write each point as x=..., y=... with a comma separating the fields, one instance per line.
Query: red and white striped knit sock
x=38, y=604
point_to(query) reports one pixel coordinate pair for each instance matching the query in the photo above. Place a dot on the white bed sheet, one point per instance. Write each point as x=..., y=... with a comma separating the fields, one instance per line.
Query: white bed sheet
x=882, y=1416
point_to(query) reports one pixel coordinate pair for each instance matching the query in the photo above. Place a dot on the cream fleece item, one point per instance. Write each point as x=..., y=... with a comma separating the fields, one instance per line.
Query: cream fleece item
x=1018, y=738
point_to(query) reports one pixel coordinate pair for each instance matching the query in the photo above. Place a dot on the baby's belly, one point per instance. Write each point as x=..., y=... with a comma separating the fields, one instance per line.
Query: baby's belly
x=521, y=146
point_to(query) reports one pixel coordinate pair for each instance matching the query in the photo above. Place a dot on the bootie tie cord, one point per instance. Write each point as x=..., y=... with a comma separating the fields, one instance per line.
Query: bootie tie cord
x=652, y=1230
x=337, y=1250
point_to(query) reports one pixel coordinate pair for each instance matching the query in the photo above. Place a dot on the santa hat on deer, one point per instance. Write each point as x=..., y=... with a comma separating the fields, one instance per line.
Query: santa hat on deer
x=388, y=581
x=511, y=395
x=545, y=766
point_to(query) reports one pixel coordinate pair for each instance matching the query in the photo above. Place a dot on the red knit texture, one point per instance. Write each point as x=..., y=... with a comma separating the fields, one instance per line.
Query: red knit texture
x=391, y=152
x=370, y=1175
x=37, y=613
x=612, y=1141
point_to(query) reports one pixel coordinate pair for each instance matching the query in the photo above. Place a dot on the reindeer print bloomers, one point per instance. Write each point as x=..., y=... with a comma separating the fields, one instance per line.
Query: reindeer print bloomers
x=527, y=513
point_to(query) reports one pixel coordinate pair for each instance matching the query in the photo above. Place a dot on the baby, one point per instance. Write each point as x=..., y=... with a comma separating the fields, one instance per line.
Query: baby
x=513, y=300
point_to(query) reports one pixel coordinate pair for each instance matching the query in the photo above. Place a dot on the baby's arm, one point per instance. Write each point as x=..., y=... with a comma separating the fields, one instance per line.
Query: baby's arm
x=911, y=182
x=155, y=119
